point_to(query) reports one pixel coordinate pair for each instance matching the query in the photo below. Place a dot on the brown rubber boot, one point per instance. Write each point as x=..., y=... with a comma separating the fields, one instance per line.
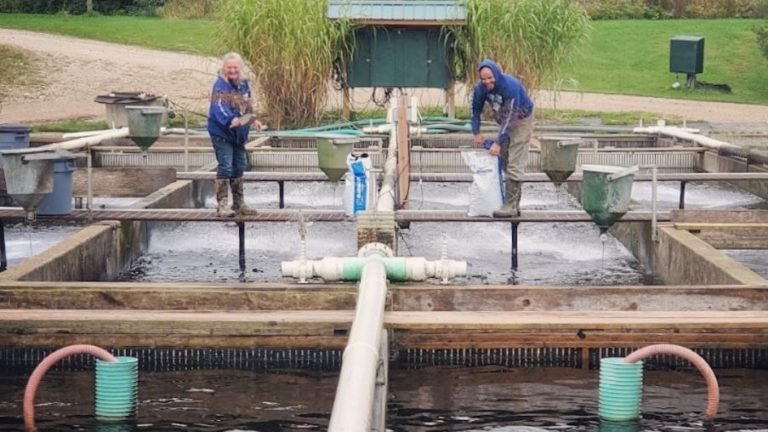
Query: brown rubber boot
x=222, y=189
x=511, y=207
x=238, y=197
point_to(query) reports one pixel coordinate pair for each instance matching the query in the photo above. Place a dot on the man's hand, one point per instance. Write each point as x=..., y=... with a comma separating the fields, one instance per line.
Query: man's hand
x=235, y=123
x=495, y=149
x=479, y=139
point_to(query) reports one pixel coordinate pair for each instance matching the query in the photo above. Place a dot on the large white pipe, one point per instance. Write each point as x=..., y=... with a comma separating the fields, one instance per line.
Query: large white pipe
x=353, y=405
x=398, y=268
x=89, y=141
x=386, y=201
x=685, y=134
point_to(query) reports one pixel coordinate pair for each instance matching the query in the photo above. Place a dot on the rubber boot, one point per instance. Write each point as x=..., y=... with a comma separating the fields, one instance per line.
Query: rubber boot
x=511, y=207
x=222, y=189
x=238, y=197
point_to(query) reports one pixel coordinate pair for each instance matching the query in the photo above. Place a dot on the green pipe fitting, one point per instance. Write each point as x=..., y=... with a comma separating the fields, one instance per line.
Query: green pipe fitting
x=353, y=268
x=117, y=388
x=620, y=390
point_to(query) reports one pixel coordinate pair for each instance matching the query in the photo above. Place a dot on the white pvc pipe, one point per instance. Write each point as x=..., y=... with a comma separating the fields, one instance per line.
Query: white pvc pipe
x=73, y=135
x=353, y=405
x=88, y=141
x=386, y=201
x=685, y=134
x=332, y=268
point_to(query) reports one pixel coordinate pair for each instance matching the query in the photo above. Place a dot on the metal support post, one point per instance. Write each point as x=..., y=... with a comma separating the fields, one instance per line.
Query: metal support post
x=3, y=256
x=90, y=182
x=281, y=193
x=241, y=234
x=681, y=204
x=514, y=245
x=186, y=141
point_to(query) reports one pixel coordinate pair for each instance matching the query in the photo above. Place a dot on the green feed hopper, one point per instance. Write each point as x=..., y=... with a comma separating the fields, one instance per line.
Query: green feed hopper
x=332, y=155
x=558, y=157
x=606, y=192
x=144, y=124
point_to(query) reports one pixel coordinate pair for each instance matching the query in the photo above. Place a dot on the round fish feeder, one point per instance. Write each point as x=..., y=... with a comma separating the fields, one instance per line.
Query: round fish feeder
x=144, y=124
x=606, y=192
x=29, y=175
x=332, y=155
x=558, y=158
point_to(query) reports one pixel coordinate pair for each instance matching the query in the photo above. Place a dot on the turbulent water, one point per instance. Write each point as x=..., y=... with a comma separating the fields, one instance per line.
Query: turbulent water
x=428, y=400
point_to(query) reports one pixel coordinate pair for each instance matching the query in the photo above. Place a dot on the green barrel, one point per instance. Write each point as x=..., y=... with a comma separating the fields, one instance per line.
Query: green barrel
x=144, y=124
x=621, y=386
x=604, y=199
x=558, y=158
x=332, y=155
x=117, y=388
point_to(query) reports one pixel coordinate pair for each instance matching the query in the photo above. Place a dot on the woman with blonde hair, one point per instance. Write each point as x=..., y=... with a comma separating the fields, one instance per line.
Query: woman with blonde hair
x=229, y=121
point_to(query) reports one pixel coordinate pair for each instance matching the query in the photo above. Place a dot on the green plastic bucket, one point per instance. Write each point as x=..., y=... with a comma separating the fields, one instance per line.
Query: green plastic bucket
x=332, y=155
x=144, y=124
x=117, y=388
x=558, y=157
x=606, y=199
x=621, y=386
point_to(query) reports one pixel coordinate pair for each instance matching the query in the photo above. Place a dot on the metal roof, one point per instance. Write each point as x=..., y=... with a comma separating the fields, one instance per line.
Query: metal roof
x=417, y=12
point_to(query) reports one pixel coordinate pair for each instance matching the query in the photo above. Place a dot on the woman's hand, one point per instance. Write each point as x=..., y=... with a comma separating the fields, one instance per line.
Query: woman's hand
x=257, y=125
x=479, y=139
x=235, y=123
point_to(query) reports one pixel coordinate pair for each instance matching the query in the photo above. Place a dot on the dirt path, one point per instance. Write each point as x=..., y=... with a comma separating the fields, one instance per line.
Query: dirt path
x=77, y=70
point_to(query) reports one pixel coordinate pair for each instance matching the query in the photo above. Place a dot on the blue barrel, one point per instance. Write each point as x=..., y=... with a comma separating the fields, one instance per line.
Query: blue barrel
x=59, y=202
x=13, y=136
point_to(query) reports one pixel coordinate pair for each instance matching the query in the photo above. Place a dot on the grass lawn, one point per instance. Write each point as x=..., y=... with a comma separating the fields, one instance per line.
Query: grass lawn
x=624, y=57
x=194, y=36
x=632, y=57
x=17, y=70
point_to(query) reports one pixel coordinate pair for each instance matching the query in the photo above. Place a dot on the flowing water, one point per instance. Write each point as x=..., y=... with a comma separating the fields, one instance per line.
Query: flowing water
x=426, y=400
x=549, y=253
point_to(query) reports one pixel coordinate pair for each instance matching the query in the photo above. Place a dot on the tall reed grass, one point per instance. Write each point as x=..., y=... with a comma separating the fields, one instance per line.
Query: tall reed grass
x=291, y=47
x=531, y=39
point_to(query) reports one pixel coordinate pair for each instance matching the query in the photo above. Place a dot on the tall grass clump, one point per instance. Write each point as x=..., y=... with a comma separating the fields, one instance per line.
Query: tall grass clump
x=291, y=47
x=531, y=39
x=189, y=9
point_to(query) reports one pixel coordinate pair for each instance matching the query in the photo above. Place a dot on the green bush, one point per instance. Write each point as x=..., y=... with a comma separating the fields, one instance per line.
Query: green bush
x=665, y=9
x=78, y=7
x=762, y=39
x=189, y=9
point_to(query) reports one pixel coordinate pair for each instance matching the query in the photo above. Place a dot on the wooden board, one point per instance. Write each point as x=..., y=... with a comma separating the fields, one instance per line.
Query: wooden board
x=122, y=182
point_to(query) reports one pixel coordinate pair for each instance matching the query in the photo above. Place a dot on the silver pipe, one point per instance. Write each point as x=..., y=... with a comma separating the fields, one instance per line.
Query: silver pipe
x=90, y=181
x=186, y=142
x=353, y=405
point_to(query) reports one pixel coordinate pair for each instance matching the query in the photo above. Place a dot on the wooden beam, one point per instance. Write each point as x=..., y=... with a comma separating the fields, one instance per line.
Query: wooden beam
x=123, y=182
x=720, y=216
x=408, y=297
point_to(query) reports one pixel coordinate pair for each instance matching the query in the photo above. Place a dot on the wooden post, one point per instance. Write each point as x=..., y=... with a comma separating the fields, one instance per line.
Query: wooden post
x=346, y=104
x=450, y=100
x=403, y=153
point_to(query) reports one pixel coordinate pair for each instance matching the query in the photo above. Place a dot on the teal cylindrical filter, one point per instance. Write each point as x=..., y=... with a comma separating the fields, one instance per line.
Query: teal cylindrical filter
x=621, y=386
x=612, y=426
x=117, y=388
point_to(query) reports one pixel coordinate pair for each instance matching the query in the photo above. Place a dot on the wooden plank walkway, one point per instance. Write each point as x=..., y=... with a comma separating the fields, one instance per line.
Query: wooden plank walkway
x=287, y=176
x=292, y=215
x=36, y=327
x=404, y=297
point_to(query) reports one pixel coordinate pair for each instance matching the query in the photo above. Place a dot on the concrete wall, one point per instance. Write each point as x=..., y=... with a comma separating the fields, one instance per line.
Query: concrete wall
x=104, y=250
x=712, y=162
x=678, y=257
x=681, y=258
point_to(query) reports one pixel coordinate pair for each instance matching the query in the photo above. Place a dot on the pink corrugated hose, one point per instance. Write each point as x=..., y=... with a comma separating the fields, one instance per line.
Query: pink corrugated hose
x=713, y=389
x=42, y=368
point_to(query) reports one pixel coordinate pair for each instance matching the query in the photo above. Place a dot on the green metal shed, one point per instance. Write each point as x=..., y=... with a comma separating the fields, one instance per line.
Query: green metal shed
x=400, y=43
